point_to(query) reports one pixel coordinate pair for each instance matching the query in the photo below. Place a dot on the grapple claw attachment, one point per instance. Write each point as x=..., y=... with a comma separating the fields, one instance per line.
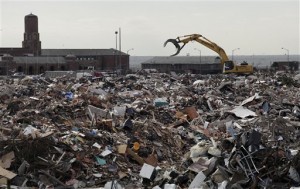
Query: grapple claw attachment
x=175, y=42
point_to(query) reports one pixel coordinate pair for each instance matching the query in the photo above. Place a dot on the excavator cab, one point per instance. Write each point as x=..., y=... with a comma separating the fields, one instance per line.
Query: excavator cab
x=242, y=69
x=228, y=65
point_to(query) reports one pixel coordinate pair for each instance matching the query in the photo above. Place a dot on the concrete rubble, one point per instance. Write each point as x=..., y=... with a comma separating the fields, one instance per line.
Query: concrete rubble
x=154, y=131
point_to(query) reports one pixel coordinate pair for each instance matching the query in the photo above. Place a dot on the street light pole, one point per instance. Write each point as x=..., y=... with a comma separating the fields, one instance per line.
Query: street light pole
x=116, y=59
x=288, y=54
x=129, y=50
x=120, y=51
x=199, y=52
x=233, y=52
x=128, y=59
x=116, y=32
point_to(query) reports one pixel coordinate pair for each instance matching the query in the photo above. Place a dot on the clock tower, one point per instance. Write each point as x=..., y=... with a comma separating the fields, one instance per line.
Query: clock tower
x=31, y=36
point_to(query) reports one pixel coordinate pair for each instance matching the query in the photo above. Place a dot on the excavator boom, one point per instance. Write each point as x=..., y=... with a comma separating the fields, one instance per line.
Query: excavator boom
x=228, y=65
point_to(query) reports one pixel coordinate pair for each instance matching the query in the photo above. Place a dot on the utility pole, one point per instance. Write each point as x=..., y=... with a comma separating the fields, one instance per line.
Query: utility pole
x=120, y=50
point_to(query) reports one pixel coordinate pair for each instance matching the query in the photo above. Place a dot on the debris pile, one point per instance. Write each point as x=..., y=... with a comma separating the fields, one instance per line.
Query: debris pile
x=155, y=131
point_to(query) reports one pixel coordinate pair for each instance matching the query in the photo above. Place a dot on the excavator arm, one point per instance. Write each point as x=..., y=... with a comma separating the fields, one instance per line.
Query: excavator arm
x=180, y=42
x=228, y=65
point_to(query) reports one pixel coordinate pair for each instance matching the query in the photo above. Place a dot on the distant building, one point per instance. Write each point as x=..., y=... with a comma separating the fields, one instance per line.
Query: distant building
x=285, y=66
x=32, y=59
x=184, y=64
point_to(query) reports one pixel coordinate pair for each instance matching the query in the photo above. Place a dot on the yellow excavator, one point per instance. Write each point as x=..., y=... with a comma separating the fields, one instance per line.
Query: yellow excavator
x=228, y=65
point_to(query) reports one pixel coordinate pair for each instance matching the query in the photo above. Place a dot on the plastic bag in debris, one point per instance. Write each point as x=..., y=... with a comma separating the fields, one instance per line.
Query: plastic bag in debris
x=128, y=124
x=29, y=130
x=266, y=107
x=69, y=95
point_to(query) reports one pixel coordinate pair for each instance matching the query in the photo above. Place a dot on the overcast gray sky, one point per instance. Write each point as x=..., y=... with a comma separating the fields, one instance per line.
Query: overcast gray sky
x=256, y=27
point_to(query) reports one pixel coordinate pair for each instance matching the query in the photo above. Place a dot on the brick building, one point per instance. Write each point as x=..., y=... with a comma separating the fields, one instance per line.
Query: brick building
x=32, y=59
